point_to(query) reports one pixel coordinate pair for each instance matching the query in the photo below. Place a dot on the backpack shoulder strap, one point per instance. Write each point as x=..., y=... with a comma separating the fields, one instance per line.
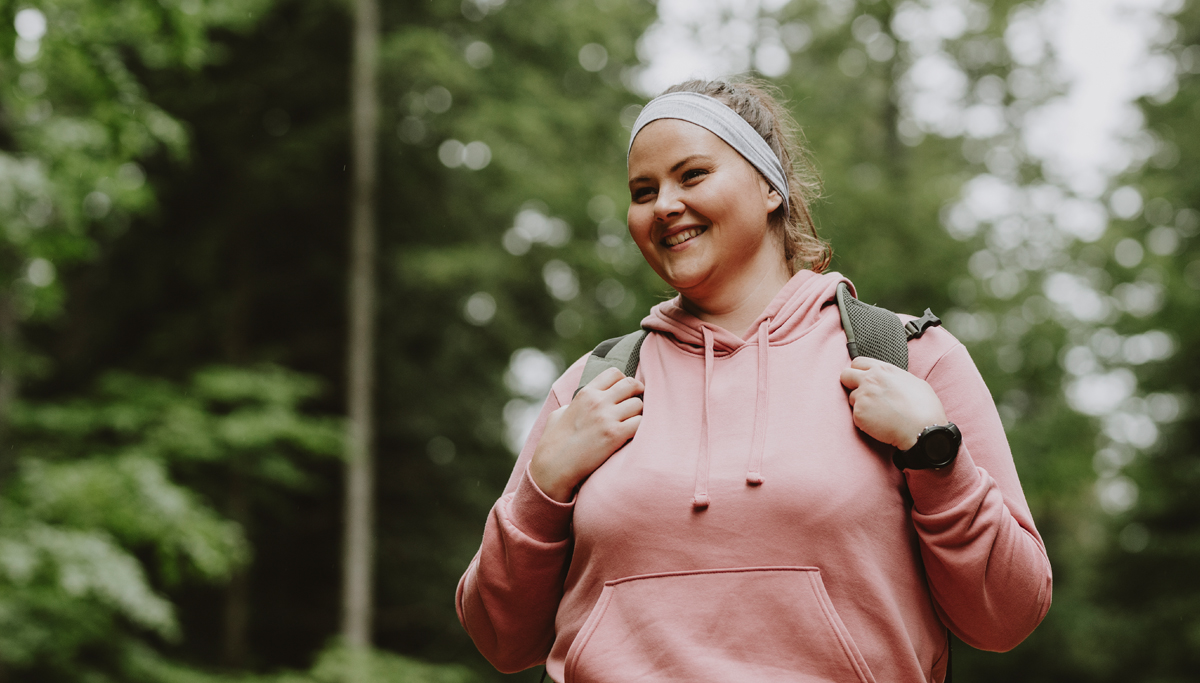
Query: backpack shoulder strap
x=877, y=332
x=870, y=331
x=622, y=353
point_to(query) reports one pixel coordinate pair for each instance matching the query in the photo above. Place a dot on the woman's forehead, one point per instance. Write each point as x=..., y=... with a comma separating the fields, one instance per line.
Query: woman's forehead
x=661, y=141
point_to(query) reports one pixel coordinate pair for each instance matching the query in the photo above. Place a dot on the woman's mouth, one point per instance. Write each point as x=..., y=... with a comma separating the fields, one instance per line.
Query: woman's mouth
x=681, y=237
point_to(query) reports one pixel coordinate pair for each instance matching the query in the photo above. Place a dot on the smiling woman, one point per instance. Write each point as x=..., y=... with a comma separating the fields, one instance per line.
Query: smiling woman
x=706, y=217
x=700, y=213
x=730, y=512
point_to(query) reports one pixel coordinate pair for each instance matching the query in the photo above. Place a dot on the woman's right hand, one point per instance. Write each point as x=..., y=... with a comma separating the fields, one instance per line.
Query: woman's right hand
x=581, y=435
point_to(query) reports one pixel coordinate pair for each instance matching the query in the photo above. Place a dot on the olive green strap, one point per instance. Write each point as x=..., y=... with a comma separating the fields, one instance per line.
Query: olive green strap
x=622, y=353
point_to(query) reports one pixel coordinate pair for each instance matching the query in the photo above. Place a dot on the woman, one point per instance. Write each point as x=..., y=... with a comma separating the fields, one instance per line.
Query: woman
x=732, y=513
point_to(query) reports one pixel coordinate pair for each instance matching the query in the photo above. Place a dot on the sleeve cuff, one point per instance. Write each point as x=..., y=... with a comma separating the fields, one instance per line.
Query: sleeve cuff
x=935, y=491
x=538, y=515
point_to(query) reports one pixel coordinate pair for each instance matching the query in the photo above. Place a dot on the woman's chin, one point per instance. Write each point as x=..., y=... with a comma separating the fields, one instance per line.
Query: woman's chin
x=684, y=280
x=684, y=270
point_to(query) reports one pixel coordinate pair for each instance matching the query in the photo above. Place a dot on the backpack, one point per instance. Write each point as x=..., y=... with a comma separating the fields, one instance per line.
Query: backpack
x=870, y=331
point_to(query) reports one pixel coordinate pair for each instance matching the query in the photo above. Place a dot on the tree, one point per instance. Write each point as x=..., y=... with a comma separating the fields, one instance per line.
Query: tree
x=243, y=255
x=360, y=480
x=502, y=256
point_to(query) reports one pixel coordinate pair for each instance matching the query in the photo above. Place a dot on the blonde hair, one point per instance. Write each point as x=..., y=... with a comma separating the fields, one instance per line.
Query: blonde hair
x=755, y=102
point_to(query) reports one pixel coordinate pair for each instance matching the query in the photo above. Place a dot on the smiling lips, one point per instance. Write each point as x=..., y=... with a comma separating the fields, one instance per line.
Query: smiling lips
x=681, y=237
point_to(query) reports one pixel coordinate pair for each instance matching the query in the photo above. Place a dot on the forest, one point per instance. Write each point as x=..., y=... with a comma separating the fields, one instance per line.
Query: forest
x=284, y=282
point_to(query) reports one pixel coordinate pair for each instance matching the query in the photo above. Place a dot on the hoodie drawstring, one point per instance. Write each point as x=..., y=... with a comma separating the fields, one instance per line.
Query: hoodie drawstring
x=700, y=497
x=759, y=442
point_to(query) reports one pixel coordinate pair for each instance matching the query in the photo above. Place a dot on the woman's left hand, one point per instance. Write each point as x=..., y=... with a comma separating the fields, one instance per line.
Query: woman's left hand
x=890, y=404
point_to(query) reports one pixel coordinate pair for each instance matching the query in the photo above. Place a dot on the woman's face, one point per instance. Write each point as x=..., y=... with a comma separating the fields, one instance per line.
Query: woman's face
x=698, y=210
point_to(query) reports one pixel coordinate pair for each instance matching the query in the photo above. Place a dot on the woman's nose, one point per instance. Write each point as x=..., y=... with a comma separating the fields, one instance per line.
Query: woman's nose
x=669, y=203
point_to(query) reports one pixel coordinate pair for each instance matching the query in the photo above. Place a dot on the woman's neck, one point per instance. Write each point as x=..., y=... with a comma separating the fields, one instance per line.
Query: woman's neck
x=737, y=305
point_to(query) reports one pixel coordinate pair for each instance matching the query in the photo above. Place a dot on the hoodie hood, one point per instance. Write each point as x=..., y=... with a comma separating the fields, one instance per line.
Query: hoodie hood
x=793, y=311
x=789, y=315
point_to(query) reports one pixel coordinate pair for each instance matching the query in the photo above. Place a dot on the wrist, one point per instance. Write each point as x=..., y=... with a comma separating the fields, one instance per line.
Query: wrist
x=918, y=425
x=554, y=487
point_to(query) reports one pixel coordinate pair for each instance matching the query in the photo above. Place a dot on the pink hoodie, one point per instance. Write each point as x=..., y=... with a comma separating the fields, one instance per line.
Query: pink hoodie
x=750, y=532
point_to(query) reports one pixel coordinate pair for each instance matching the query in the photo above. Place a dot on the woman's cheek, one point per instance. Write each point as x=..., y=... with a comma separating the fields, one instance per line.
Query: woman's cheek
x=639, y=229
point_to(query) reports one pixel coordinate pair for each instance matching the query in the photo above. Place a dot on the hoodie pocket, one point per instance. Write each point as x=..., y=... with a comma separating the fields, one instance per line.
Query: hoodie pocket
x=762, y=624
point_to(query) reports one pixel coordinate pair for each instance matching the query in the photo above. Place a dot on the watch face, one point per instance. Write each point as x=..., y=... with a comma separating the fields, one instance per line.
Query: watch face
x=940, y=447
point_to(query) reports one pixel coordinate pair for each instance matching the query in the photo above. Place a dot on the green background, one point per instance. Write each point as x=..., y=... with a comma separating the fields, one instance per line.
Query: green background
x=173, y=250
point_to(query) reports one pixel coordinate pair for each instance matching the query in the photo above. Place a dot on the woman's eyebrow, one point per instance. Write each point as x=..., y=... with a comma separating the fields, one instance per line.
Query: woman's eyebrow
x=676, y=167
x=687, y=160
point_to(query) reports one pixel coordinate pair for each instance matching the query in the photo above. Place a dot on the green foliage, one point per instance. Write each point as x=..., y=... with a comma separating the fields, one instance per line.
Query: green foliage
x=336, y=664
x=172, y=195
x=342, y=664
x=96, y=522
x=1142, y=589
x=76, y=121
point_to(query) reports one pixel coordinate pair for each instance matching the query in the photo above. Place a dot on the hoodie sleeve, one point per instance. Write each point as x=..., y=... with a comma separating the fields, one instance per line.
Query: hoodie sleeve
x=509, y=595
x=986, y=564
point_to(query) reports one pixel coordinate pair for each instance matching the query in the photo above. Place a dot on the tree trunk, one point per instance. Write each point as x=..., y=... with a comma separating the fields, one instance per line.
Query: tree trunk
x=358, y=548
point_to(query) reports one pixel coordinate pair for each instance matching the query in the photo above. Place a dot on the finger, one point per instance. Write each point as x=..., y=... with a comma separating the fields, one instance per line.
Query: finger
x=625, y=388
x=628, y=408
x=630, y=427
x=851, y=377
x=606, y=379
x=852, y=397
x=866, y=363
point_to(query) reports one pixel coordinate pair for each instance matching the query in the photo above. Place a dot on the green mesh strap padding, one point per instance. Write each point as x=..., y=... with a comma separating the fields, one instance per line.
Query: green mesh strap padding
x=872, y=331
x=622, y=353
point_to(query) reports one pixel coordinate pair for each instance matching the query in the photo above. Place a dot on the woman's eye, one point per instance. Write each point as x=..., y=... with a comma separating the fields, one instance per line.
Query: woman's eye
x=693, y=174
x=642, y=193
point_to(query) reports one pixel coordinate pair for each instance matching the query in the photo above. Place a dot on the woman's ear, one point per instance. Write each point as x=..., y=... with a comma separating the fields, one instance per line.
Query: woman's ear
x=774, y=200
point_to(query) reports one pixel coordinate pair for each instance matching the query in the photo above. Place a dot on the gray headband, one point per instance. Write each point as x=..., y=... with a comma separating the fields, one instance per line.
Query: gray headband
x=711, y=114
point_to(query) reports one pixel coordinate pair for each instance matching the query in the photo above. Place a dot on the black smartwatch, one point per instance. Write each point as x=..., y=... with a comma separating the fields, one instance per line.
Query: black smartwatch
x=936, y=447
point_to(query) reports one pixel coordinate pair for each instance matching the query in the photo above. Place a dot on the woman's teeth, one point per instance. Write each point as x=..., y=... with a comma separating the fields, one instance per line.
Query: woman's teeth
x=681, y=237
